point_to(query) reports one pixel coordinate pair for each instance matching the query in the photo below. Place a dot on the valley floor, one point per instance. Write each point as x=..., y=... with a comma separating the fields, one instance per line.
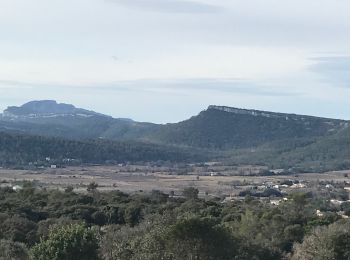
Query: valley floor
x=144, y=179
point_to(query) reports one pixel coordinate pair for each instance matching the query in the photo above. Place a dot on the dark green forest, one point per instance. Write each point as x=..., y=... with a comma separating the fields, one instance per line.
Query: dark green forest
x=221, y=130
x=17, y=150
x=299, y=155
x=302, y=154
x=235, y=136
x=63, y=225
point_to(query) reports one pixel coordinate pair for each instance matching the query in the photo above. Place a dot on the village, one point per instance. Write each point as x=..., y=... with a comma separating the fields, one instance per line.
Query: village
x=212, y=180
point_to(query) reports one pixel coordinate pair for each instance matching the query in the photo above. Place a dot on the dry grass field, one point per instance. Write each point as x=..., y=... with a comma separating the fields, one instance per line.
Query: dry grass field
x=141, y=178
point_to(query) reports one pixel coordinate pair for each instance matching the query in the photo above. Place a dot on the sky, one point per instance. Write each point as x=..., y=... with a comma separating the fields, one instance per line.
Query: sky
x=166, y=60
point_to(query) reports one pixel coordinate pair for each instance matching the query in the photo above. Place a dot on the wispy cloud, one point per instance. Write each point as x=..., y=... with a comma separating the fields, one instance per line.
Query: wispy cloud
x=333, y=69
x=175, y=86
x=4, y=84
x=229, y=86
x=169, y=6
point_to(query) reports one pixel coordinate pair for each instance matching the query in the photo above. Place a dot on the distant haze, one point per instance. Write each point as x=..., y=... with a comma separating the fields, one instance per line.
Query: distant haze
x=166, y=60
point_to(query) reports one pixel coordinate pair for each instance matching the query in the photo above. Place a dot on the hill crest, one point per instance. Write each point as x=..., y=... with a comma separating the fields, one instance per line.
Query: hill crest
x=47, y=108
x=268, y=114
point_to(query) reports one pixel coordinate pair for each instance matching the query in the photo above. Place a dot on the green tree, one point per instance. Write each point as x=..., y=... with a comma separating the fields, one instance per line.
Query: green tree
x=325, y=243
x=133, y=215
x=92, y=186
x=12, y=250
x=122, y=242
x=198, y=239
x=69, y=189
x=190, y=193
x=17, y=229
x=67, y=243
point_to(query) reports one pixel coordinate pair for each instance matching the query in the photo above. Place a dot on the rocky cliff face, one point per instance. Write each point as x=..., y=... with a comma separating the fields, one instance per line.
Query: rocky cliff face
x=283, y=116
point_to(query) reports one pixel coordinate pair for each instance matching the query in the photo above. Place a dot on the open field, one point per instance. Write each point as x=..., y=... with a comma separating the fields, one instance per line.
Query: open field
x=141, y=178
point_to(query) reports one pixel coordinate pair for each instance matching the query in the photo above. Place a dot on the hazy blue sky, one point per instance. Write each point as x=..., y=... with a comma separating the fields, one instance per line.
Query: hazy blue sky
x=165, y=60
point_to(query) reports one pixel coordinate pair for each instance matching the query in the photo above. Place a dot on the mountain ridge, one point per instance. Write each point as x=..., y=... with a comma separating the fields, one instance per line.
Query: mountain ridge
x=42, y=107
x=217, y=127
x=256, y=112
x=236, y=135
x=47, y=108
x=221, y=127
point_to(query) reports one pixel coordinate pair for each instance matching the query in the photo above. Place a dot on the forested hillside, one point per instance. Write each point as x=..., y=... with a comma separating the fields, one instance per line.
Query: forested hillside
x=228, y=128
x=219, y=128
x=24, y=149
x=243, y=136
x=304, y=154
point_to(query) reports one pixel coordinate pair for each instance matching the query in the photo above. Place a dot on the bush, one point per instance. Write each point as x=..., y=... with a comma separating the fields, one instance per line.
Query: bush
x=190, y=193
x=67, y=243
x=199, y=239
x=326, y=243
x=12, y=250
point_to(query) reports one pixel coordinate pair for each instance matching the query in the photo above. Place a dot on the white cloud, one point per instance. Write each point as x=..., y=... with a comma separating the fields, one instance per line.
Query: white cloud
x=45, y=45
x=191, y=62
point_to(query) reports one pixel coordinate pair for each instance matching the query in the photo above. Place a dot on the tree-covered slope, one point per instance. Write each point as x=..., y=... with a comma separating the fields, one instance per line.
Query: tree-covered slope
x=331, y=152
x=248, y=136
x=23, y=149
x=326, y=153
x=227, y=128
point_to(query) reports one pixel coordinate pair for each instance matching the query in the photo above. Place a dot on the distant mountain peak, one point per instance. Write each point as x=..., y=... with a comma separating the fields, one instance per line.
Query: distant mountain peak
x=47, y=108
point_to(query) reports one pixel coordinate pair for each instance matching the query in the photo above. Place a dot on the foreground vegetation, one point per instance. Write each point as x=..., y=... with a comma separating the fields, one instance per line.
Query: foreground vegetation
x=52, y=224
